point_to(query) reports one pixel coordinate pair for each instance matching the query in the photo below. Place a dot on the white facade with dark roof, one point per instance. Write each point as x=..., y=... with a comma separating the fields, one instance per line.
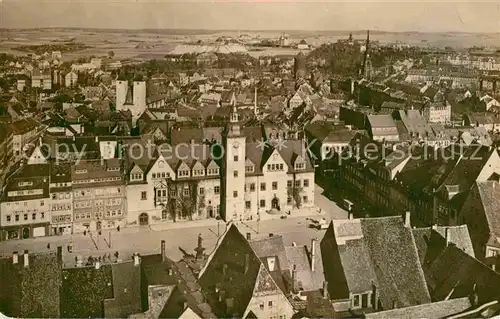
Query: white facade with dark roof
x=24, y=210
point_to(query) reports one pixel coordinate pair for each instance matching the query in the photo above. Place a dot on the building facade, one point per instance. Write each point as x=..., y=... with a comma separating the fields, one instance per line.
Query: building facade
x=24, y=208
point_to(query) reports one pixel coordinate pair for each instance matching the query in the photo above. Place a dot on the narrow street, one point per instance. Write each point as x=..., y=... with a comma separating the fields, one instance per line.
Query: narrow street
x=144, y=240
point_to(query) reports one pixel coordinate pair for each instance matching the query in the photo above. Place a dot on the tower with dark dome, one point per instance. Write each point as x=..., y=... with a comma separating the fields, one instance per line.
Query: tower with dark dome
x=299, y=67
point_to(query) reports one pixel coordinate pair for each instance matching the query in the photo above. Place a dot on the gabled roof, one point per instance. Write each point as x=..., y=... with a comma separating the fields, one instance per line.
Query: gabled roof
x=233, y=271
x=489, y=193
x=439, y=309
x=380, y=252
x=455, y=274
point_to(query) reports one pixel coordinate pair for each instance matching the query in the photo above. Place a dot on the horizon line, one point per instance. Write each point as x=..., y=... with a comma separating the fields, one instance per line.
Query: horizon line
x=374, y=31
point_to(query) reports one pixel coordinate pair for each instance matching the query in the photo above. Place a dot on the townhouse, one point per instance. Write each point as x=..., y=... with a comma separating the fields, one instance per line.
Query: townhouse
x=61, y=199
x=99, y=198
x=24, y=208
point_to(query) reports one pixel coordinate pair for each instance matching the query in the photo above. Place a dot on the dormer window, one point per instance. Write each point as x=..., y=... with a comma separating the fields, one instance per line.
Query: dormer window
x=113, y=169
x=136, y=177
x=275, y=167
x=300, y=166
x=81, y=171
x=199, y=172
x=249, y=169
x=183, y=173
x=213, y=171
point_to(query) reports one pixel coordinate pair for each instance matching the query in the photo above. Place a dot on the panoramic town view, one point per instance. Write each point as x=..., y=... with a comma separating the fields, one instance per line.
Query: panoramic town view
x=249, y=160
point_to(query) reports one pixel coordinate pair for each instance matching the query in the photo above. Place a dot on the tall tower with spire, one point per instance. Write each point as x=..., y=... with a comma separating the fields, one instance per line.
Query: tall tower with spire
x=233, y=170
x=367, y=70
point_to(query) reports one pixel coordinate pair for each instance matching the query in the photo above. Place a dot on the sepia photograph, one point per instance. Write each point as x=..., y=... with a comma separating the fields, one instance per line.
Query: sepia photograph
x=269, y=159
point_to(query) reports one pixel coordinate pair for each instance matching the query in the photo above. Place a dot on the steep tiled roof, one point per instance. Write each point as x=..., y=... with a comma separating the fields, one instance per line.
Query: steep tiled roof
x=490, y=199
x=455, y=274
x=225, y=274
x=468, y=167
x=440, y=309
x=395, y=261
x=356, y=261
x=307, y=278
x=33, y=291
x=431, y=241
x=232, y=273
x=271, y=246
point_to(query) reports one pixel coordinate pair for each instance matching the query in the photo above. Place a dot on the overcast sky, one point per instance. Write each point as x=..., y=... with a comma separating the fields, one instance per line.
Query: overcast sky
x=442, y=15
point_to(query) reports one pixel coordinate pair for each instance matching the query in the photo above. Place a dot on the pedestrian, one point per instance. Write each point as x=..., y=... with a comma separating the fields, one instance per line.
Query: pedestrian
x=118, y=228
x=84, y=233
x=48, y=246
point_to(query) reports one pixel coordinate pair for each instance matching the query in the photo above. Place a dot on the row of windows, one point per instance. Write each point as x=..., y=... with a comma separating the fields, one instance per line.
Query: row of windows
x=97, y=180
x=274, y=185
x=109, y=213
x=98, y=192
x=58, y=196
x=25, y=204
x=55, y=207
x=136, y=177
x=275, y=167
x=161, y=175
x=8, y=218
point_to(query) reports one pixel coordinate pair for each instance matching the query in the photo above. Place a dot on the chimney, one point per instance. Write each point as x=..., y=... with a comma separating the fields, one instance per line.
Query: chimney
x=163, y=257
x=224, y=269
x=447, y=236
x=394, y=304
x=97, y=265
x=407, y=219
x=325, y=289
x=247, y=262
x=136, y=259
x=351, y=215
x=249, y=236
x=26, y=259
x=271, y=234
x=313, y=254
x=170, y=271
x=59, y=253
x=185, y=305
x=97, y=139
x=435, y=226
x=294, y=277
x=15, y=258
x=294, y=244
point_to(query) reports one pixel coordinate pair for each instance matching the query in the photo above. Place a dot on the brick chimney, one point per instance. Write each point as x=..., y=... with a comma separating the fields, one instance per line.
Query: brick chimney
x=137, y=260
x=15, y=258
x=26, y=259
x=407, y=219
x=313, y=254
x=163, y=251
x=97, y=265
x=351, y=215
x=249, y=236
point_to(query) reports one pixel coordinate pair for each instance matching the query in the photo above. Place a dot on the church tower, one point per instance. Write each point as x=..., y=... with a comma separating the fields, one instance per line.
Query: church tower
x=367, y=70
x=233, y=170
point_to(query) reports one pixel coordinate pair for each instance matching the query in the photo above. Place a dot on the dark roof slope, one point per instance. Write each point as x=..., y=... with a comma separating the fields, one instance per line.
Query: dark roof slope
x=395, y=261
x=224, y=275
x=33, y=291
x=455, y=274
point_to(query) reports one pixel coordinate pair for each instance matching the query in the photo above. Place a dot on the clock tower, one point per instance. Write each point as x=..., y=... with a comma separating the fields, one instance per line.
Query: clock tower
x=233, y=170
